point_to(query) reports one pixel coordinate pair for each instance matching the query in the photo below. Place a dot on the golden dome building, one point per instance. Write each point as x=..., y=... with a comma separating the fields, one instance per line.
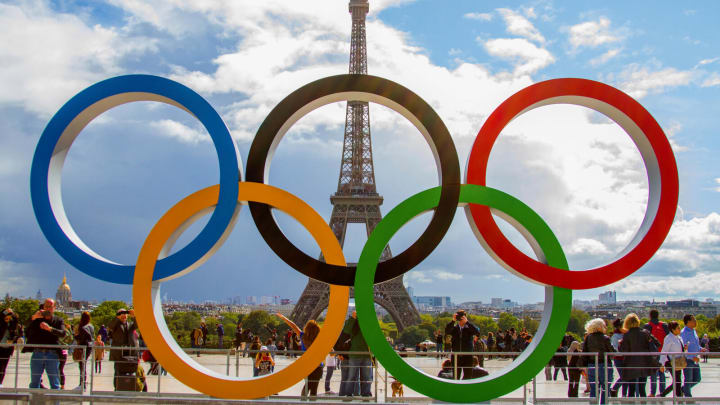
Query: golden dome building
x=63, y=295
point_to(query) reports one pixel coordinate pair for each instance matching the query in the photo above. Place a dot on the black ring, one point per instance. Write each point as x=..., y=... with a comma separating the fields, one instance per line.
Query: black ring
x=331, y=89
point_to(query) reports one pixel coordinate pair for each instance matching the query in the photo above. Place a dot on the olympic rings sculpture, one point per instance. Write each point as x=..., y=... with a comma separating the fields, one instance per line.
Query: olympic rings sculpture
x=155, y=264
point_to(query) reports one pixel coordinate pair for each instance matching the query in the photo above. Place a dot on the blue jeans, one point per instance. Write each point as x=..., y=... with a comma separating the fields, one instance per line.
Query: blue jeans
x=597, y=374
x=47, y=361
x=359, y=368
x=692, y=377
x=344, y=375
x=656, y=378
x=637, y=387
x=620, y=384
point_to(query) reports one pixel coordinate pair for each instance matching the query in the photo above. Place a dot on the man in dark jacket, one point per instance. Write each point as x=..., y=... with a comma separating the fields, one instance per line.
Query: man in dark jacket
x=122, y=335
x=359, y=366
x=462, y=333
x=45, y=328
x=11, y=331
x=221, y=334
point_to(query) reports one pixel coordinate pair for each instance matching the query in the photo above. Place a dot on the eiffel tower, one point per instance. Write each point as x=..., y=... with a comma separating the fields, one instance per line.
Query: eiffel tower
x=357, y=199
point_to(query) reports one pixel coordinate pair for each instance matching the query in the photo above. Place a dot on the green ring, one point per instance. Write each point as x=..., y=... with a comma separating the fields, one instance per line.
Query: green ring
x=554, y=321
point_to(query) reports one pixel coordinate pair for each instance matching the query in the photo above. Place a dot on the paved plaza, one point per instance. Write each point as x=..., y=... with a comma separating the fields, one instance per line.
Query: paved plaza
x=167, y=385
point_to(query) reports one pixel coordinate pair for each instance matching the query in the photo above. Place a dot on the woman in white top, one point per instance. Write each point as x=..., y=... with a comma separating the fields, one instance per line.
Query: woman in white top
x=672, y=344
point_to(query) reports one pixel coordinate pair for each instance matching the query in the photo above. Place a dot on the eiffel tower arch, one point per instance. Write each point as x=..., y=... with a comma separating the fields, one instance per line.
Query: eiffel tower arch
x=357, y=199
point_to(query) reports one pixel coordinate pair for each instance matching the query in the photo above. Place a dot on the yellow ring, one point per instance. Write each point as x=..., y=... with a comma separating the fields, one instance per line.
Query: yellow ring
x=148, y=308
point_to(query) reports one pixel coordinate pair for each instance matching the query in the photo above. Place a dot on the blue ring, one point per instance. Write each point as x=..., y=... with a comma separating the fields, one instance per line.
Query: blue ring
x=229, y=176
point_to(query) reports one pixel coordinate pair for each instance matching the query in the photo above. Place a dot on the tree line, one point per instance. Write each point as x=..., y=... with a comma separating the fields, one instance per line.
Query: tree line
x=260, y=322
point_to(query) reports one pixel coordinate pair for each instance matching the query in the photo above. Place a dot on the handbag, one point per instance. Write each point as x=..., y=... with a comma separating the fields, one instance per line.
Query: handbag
x=679, y=362
x=78, y=354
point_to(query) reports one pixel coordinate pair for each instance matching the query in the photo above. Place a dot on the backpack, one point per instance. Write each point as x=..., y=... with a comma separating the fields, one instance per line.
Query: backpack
x=658, y=330
x=264, y=367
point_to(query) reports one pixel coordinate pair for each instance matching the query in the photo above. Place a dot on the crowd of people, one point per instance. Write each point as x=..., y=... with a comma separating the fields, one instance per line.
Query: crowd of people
x=576, y=360
x=605, y=358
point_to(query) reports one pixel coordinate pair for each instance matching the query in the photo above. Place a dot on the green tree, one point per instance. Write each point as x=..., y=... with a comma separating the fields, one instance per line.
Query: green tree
x=530, y=324
x=578, y=319
x=412, y=335
x=429, y=327
x=257, y=320
x=23, y=308
x=484, y=324
x=507, y=321
x=105, y=312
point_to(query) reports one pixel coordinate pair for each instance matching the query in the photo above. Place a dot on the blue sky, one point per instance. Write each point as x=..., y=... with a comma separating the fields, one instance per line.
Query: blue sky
x=573, y=166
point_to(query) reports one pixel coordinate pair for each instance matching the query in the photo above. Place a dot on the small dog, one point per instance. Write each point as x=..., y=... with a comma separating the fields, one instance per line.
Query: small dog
x=397, y=388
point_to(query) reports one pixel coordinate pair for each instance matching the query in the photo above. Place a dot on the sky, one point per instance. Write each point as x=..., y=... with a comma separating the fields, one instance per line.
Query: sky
x=573, y=166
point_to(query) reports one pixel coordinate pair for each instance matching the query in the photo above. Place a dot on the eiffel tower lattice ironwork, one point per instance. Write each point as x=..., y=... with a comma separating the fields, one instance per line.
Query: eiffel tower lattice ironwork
x=357, y=199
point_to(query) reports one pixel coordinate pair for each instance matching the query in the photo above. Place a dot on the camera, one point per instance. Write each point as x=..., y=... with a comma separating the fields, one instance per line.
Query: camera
x=123, y=312
x=45, y=313
x=459, y=314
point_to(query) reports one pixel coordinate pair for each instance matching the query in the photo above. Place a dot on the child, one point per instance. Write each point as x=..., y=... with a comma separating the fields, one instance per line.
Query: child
x=264, y=362
x=99, y=353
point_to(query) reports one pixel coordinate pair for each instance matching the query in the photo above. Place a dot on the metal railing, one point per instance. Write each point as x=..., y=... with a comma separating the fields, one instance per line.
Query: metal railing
x=162, y=387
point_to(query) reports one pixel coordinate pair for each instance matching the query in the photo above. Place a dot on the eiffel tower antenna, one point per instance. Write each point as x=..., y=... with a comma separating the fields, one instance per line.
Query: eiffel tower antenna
x=357, y=199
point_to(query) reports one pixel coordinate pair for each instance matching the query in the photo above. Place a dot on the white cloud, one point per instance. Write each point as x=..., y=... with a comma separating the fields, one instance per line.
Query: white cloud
x=17, y=277
x=593, y=33
x=179, y=131
x=527, y=57
x=478, y=16
x=702, y=283
x=673, y=129
x=639, y=81
x=516, y=24
x=48, y=57
x=447, y=275
x=605, y=57
x=717, y=181
x=712, y=80
x=588, y=246
x=429, y=276
x=530, y=12
x=707, y=61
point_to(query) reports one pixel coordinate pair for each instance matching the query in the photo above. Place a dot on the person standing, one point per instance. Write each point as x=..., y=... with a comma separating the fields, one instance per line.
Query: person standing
x=221, y=335
x=615, y=339
x=438, y=341
x=11, y=332
x=705, y=345
x=121, y=331
x=479, y=347
x=659, y=330
x=103, y=334
x=204, y=333
x=672, y=343
x=99, y=353
x=560, y=363
x=491, y=344
x=330, y=363
x=638, y=367
x=359, y=365
x=84, y=336
x=597, y=342
x=307, y=337
x=238, y=337
x=574, y=369
x=691, y=341
x=45, y=328
x=462, y=332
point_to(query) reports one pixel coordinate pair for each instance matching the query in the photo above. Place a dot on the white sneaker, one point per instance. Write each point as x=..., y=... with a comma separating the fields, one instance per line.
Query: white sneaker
x=78, y=388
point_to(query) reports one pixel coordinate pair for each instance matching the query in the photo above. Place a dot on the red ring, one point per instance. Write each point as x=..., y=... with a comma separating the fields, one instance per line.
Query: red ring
x=587, y=93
